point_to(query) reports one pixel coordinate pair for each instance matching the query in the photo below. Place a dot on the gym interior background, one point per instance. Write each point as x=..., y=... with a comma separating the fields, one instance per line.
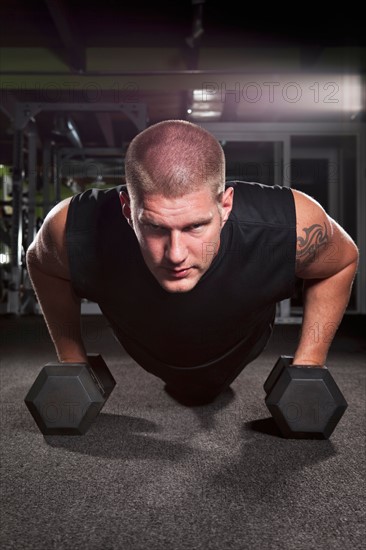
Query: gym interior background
x=285, y=94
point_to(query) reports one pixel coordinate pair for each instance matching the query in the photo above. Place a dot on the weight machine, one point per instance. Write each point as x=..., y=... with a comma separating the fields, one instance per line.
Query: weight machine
x=20, y=295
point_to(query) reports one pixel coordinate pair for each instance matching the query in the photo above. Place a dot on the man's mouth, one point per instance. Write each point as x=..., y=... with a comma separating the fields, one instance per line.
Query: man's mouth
x=178, y=273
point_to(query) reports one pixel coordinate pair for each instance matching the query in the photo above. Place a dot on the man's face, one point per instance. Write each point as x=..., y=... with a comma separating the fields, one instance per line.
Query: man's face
x=180, y=237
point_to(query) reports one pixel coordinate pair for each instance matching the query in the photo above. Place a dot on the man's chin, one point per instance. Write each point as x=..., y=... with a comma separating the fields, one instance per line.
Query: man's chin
x=178, y=286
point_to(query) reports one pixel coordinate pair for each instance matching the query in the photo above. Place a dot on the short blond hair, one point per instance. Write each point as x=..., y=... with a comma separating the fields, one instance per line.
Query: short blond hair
x=174, y=158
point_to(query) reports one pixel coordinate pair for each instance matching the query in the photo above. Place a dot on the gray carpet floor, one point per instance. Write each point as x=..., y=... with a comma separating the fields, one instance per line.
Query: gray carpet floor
x=154, y=474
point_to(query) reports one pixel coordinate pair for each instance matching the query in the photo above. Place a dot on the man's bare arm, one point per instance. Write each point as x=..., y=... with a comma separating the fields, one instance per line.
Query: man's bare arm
x=327, y=261
x=48, y=269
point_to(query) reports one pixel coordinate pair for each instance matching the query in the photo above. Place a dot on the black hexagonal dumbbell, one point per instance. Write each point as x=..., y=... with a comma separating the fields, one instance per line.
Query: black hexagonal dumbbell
x=65, y=398
x=304, y=400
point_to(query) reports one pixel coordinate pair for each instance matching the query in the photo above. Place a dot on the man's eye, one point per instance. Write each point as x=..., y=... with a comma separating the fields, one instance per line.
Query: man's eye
x=155, y=228
x=195, y=228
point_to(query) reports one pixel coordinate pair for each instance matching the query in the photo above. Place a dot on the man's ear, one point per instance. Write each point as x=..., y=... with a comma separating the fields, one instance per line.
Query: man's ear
x=126, y=206
x=227, y=204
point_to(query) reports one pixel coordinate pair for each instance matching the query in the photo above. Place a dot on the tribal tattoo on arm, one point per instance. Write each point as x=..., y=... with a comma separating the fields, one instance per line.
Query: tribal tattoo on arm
x=307, y=250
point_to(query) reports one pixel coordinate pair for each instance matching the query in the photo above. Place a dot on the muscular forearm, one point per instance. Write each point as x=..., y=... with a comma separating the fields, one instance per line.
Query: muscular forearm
x=324, y=304
x=61, y=310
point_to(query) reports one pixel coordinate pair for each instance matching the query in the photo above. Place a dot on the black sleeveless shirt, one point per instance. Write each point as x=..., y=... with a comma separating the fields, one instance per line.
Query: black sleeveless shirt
x=216, y=324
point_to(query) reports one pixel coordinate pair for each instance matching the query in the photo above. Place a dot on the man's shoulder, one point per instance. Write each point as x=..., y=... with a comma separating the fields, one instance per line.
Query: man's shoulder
x=48, y=249
x=258, y=202
x=251, y=188
x=240, y=183
x=250, y=185
x=95, y=201
x=97, y=194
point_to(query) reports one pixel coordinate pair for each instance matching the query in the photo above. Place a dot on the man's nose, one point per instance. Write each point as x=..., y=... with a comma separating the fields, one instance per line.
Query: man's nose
x=176, y=250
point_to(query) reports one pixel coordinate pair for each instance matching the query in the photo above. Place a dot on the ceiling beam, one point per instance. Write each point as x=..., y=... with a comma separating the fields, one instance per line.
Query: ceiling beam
x=310, y=56
x=68, y=32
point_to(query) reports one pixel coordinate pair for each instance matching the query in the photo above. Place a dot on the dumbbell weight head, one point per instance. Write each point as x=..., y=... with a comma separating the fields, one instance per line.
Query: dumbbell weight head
x=282, y=362
x=304, y=400
x=101, y=373
x=66, y=398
